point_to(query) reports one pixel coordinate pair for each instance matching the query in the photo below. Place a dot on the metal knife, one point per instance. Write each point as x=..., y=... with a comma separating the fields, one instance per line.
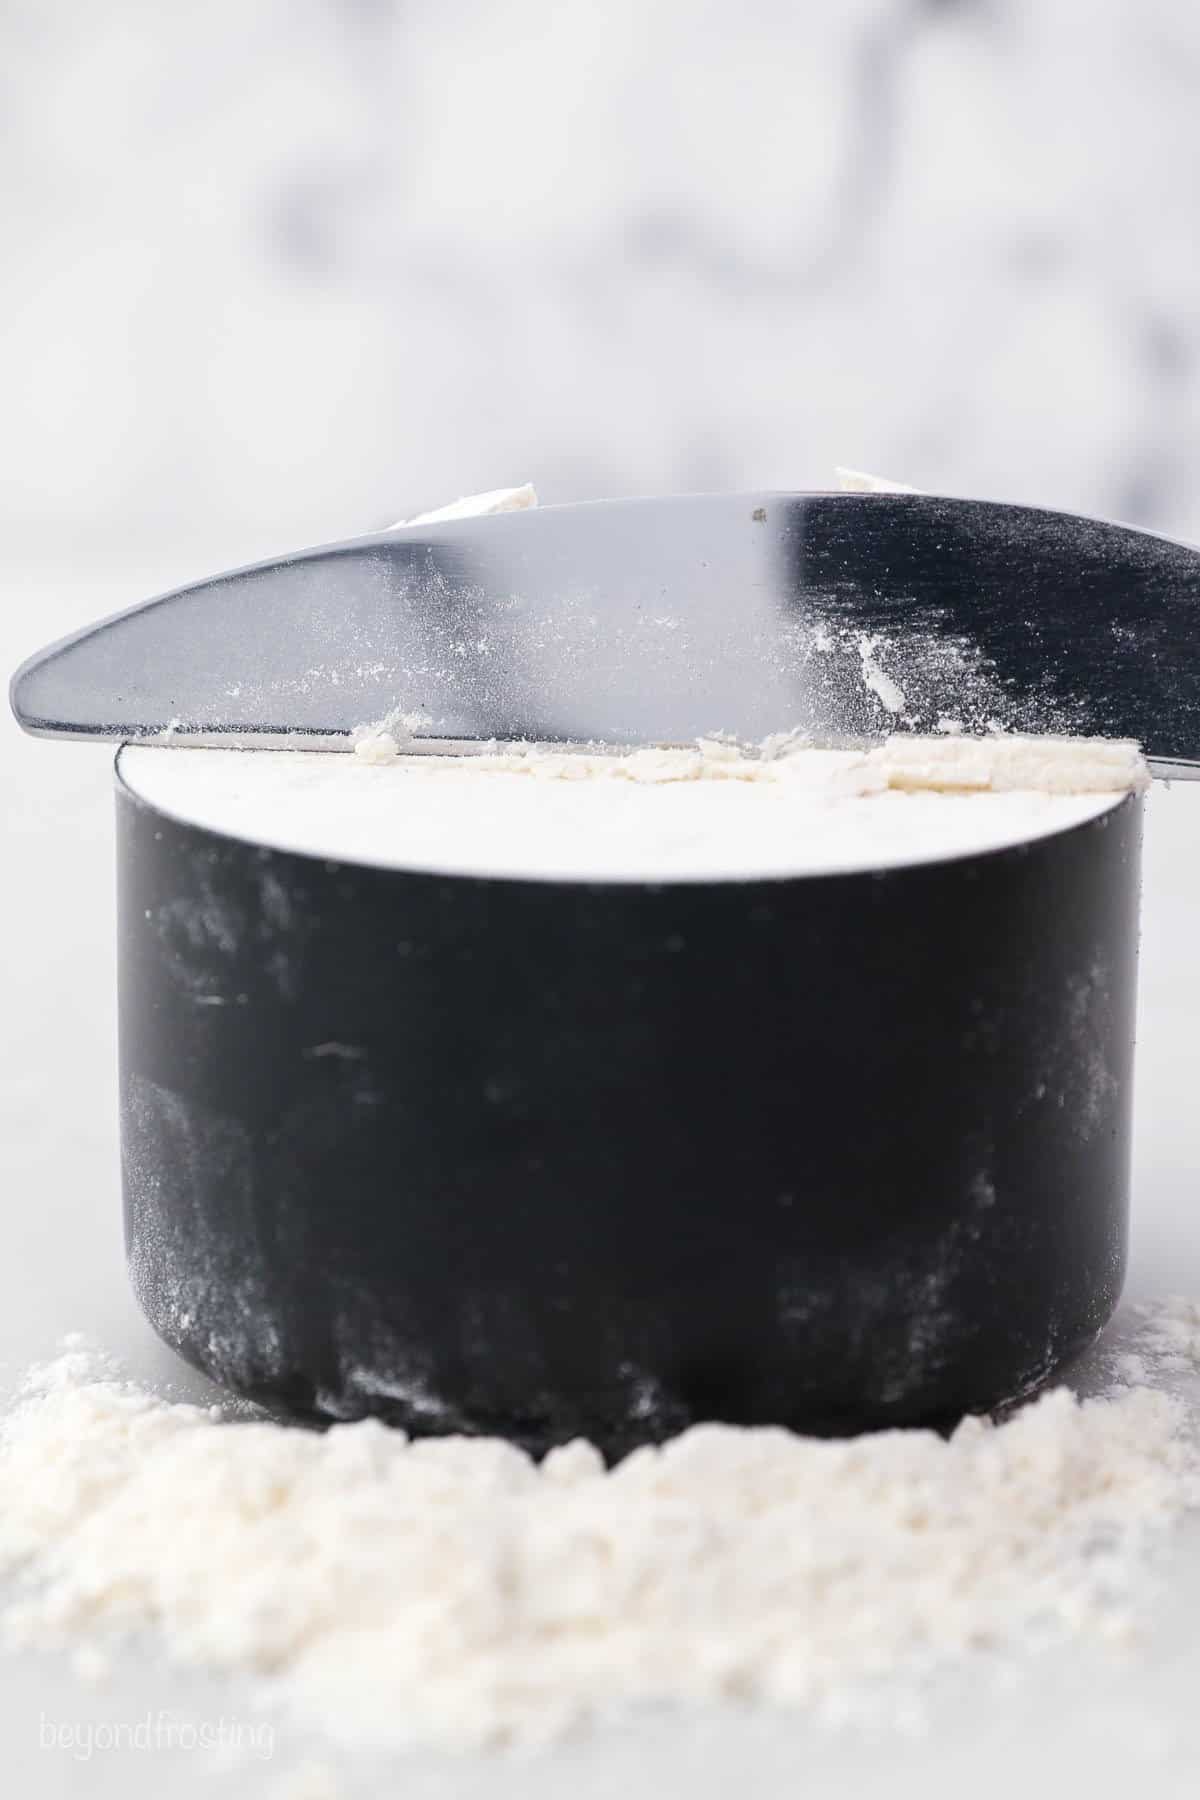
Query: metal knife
x=838, y=616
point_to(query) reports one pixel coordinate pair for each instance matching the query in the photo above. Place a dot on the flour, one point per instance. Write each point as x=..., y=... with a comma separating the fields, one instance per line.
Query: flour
x=387, y=1591
x=710, y=812
x=856, y=481
x=889, y=693
x=1002, y=763
x=1168, y=1339
x=385, y=739
x=477, y=506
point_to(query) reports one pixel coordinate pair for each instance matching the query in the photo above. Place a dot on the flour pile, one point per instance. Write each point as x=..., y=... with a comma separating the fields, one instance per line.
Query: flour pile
x=387, y=1591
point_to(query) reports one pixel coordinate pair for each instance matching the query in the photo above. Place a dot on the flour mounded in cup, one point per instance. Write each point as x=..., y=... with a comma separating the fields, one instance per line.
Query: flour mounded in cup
x=711, y=812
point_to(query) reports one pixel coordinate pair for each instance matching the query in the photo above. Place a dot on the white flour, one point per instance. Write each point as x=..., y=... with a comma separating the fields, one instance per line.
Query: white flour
x=712, y=812
x=856, y=481
x=452, y=1590
x=889, y=693
x=477, y=506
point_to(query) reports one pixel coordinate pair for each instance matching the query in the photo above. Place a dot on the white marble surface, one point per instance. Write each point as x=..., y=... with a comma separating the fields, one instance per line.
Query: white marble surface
x=295, y=267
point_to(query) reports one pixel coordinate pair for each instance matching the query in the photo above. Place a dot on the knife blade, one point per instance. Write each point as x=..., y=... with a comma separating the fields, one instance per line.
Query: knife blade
x=838, y=616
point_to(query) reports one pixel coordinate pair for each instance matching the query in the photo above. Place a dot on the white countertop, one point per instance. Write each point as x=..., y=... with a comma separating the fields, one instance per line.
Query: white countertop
x=1083, y=1720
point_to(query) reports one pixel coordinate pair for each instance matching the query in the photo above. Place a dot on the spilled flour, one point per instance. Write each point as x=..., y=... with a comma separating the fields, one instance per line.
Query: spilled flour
x=385, y=1592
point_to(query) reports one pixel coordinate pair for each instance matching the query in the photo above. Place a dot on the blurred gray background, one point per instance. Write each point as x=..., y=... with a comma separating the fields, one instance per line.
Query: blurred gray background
x=276, y=272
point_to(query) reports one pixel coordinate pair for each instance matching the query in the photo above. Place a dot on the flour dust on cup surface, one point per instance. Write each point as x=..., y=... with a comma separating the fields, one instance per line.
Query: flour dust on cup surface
x=672, y=1095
